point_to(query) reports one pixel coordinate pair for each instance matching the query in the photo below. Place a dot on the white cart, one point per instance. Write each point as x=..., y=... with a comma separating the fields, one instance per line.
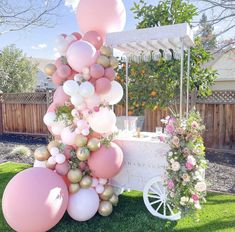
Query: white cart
x=144, y=169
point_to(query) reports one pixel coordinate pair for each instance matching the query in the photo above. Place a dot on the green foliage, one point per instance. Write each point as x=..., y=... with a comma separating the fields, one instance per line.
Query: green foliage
x=63, y=114
x=21, y=150
x=17, y=72
x=207, y=36
x=156, y=83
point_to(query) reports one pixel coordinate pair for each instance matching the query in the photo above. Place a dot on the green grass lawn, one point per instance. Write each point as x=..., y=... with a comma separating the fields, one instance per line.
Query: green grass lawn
x=218, y=214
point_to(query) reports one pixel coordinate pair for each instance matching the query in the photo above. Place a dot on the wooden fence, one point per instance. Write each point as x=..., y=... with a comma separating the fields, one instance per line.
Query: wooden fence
x=23, y=113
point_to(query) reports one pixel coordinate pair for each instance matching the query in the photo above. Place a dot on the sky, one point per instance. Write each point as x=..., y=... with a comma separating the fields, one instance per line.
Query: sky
x=40, y=42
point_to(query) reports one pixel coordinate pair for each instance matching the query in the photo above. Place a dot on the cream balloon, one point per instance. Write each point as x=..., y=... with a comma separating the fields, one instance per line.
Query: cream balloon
x=49, y=118
x=76, y=99
x=114, y=95
x=92, y=101
x=68, y=136
x=71, y=87
x=83, y=204
x=60, y=158
x=102, y=121
x=39, y=164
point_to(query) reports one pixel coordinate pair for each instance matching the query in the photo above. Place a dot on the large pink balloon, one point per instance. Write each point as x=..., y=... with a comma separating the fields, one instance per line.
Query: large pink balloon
x=102, y=16
x=34, y=200
x=102, y=86
x=57, y=80
x=110, y=73
x=94, y=38
x=64, y=71
x=106, y=162
x=97, y=71
x=81, y=54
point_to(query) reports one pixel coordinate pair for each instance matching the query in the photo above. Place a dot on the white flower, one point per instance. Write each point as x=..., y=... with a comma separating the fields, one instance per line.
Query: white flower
x=170, y=153
x=184, y=200
x=191, y=160
x=200, y=186
x=175, y=166
x=186, y=177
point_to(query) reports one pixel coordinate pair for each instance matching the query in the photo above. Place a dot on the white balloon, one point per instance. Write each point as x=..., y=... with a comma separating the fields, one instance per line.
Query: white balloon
x=39, y=164
x=49, y=118
x=82, y=106
x=85, y=131
x=60, y=158
x=57, y=129
x=71, y=87
x=103, y=181
x=86, y=89
x=94, y=182
x=102, y=121
x=92, y=101
x=76, y=100
x=99, y=188
x=68, y=136
x=54, y=151
x=51, y=160
x=83, y=204
x=114, y=95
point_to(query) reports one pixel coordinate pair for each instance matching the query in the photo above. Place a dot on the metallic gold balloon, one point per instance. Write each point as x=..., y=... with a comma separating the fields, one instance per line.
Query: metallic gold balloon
x=50, y=166
x=93, y=144
x=105, y=208
x=106, y=51
x=53, y=143
x=103, y=60
x=86, y=182
x=107, y=193
x=41, y=153
x=114, y=62
x=50, y=69
x=73, y=188
x=83, y=153
x=80, y=140
x=74, y=175
x=114, y=200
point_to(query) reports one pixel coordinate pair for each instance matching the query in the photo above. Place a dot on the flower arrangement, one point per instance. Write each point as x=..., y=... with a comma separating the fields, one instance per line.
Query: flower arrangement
x=185, y=180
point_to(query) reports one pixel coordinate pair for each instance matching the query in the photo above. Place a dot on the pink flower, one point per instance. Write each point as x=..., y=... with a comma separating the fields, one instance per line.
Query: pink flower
x=195, y=197
x=162, y=138
x=175, y=141
x=189, y=166
x=170, y=184
x=171, y=121
x=180, y=130
x=194, y=125
x=170, y=128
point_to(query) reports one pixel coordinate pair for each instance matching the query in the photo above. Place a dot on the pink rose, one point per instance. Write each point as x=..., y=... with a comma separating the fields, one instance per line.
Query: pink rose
x=170, y=128
x=195, y=197
x=171, y=121
x=189, y=166
x=170, y=184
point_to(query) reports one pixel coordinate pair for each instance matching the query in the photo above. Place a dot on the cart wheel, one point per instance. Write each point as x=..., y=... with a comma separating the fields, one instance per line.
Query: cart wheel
x=155, y=199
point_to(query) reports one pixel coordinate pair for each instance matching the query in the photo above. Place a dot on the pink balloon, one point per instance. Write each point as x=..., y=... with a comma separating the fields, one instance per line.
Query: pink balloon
x=67, y=151
x=106, y=162
x=102, y=16
x=102, y=85
x=34, y=200
x=60, y=97
x=96, y=71
x=94, y=38
x=62, y=169
x=110, y=73
x=92, y=101
x=64, y=71
x=81, y=54
x=77, y=35
x=57, y=80
x=52, y=107
x=60, y=61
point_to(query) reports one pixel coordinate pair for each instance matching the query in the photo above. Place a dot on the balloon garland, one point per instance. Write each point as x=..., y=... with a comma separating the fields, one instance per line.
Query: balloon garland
x=82, y=123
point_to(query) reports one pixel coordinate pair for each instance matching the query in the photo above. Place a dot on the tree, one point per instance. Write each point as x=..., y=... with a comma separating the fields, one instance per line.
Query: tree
x=17, y=72
x=206, y=33
x=19, y=15
x=156, y=83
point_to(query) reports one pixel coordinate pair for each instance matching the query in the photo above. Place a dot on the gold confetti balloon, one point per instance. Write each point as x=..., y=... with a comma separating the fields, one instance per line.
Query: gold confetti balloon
x=74, y=175
x=105, y=208
x=86, y=182
x=42, y=153
x=83, y=153
x=80, y=140
x=53, y=143
x=103, y=60
x=73, y=188
x=50, y=69
x=106, y=51
x=107, y=193
x=114, y=62
x=114, y=200
x=93, y=144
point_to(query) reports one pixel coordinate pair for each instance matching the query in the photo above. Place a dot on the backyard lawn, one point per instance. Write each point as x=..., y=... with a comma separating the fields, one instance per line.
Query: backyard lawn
x=217, y=215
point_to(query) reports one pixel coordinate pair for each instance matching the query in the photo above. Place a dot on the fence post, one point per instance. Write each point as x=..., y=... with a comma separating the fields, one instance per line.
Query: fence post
x=1, y=116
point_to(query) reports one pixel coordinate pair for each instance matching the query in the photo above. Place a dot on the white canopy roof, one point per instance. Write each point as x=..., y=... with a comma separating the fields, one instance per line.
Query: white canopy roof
x=144, y=41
